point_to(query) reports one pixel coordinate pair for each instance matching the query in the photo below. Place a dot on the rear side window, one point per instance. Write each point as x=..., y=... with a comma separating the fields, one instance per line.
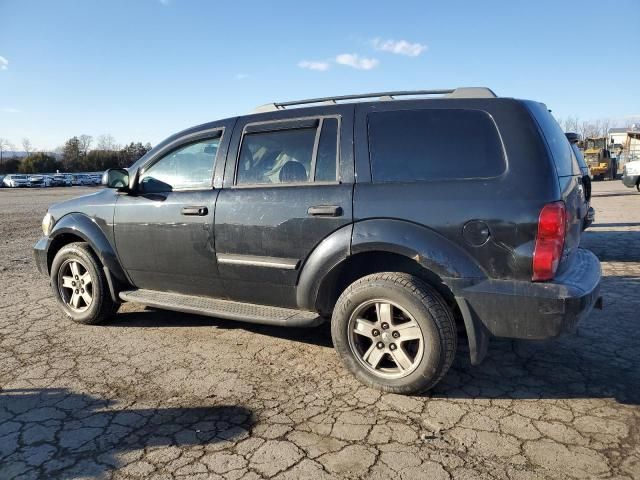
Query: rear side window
x=563, y=157
x=271, y=154
x=327, y=160
x=434, y=144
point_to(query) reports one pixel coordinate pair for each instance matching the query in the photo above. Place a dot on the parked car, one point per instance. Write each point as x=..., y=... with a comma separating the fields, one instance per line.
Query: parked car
x=13, y=180
x=96, y=178
x=37, y=181
x=574, y=138
x=399, y=221
x=631, y=174
x=57, y=180
x=82, y=179
x=2, y=181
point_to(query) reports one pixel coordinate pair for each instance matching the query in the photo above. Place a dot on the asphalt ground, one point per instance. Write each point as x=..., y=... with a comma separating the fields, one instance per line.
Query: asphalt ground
x=161, y=395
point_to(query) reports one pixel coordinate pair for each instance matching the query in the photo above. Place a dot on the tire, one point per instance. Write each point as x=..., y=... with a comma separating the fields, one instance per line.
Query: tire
x=412, y=302
x=93, y=305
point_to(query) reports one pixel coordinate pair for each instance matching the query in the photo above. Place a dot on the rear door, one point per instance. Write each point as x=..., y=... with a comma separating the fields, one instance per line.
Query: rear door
x=569, y=177
x=288, y=185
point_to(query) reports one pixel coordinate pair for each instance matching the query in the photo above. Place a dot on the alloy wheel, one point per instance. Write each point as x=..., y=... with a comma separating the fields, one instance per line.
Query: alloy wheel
x=75, y=285
x=385, y=338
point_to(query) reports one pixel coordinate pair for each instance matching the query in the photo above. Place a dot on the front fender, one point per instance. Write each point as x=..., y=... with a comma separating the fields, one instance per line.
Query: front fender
x=427, y=247
x=87, y=228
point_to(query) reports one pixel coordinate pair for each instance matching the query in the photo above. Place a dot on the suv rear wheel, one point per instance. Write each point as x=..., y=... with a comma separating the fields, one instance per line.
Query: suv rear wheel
x=394, y=332
x=80, y=285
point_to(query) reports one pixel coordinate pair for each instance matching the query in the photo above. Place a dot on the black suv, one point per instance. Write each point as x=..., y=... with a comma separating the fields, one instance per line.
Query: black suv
x=400, y=220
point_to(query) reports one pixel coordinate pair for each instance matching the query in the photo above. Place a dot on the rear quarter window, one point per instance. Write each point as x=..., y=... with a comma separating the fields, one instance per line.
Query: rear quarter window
x=560, y=148
x=434, y=144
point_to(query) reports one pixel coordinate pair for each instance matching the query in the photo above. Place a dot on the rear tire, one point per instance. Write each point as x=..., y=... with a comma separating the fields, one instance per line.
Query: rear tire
x=394, y=332
x=80, y=285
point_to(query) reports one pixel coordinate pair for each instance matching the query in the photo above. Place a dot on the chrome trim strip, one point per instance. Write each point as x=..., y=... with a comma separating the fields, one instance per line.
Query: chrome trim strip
x=257, y=261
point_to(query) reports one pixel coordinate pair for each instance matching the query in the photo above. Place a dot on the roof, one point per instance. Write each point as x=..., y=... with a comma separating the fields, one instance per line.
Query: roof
x=618, y=130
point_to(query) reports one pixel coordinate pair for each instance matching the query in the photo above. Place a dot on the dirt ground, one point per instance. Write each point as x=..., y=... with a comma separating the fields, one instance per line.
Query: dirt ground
x=161, y=395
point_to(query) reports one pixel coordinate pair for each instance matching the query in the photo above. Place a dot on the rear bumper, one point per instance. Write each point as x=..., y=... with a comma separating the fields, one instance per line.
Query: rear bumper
x=537, y=310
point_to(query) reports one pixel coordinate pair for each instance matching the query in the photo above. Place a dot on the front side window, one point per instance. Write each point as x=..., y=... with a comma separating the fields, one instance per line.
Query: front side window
x=187, y=168
x=289, y=156
x=434, y=144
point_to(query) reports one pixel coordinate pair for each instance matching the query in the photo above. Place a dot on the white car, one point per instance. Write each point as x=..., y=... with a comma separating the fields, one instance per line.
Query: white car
x=14, y=181
x=631, y=174
x=37, y=181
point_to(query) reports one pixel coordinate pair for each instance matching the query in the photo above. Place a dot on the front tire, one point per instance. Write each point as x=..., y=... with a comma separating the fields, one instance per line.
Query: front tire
x=80, y=286
x=394, y=332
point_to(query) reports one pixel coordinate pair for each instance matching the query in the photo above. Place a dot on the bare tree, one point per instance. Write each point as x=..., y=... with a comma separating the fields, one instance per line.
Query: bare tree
x=106, y=142
x=571, y=124
x=27, y=146
x=5, y=145
x=85, y=143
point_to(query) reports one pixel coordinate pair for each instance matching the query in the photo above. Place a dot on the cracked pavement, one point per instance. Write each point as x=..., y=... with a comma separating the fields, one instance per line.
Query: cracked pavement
x=161, y=395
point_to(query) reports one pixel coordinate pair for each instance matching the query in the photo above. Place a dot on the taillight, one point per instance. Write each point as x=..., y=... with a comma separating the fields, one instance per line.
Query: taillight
x=552, y=228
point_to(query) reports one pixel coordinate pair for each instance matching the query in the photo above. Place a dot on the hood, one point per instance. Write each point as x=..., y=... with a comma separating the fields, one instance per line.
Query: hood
x=100, y=203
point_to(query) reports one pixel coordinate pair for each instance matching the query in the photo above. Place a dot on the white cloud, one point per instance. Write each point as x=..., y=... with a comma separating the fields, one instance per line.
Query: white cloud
x=353, y=60
x=10, y=110
x=242, y=76
x=400, y=47
x=4, y=63
x=314, y=65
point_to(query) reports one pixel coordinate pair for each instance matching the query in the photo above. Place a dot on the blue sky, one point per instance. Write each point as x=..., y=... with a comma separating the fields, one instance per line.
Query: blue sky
x=143, y=69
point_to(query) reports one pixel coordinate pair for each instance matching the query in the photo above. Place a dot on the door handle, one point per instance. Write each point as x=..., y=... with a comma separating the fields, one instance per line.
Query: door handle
x=198, y=211
x=325, y=211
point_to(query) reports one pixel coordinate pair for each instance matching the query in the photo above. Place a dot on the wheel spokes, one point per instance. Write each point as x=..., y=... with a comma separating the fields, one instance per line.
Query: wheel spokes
x=74, y=300
x=364, y=327
x=386, y=338
x=77, y=279
x=86, y=297
x=75, y=270
x=86, y=278
x=401, y=359
x=408, y=331
x=373, y=355
x=384, y=312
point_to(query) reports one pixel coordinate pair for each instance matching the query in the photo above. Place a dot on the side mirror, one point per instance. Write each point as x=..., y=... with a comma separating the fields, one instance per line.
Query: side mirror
x=116, y=178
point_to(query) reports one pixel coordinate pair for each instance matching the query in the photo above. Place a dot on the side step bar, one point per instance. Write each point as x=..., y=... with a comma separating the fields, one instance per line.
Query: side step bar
x=244, y=312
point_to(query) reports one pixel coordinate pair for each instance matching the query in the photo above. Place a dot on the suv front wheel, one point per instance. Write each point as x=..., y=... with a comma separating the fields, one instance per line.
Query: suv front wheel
x=394, y=332
x=80, y=285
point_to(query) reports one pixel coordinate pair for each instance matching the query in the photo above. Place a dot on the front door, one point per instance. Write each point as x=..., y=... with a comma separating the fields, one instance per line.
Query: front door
x=288, y=185
x=164, y=228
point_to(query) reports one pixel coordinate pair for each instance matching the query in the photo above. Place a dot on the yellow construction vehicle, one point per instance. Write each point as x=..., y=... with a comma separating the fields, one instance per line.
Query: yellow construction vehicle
x=598, y=158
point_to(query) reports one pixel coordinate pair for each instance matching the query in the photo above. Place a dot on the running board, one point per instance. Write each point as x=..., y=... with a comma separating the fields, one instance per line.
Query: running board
x=212, y=307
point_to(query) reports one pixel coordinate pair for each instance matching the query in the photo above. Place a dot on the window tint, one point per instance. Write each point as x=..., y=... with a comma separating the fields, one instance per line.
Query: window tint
x=566, y=163
x=282, y=156
x=327, y=151
x=189, y=167
x=433, y=144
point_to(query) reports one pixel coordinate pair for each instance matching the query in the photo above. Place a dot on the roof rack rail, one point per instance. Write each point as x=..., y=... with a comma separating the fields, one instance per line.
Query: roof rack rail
x=464, y=92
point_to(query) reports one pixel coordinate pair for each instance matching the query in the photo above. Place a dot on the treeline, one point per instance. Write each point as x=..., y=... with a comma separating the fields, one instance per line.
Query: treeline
x=77, y=156
x=595, y=128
